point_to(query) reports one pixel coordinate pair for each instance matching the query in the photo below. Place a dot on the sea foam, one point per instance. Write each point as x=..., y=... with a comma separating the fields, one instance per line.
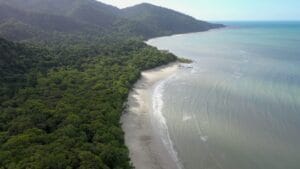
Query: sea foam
x=186, y=118
x=160, y=120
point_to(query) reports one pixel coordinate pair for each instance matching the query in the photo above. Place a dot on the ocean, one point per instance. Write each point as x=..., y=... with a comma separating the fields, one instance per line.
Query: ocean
x=237, y=106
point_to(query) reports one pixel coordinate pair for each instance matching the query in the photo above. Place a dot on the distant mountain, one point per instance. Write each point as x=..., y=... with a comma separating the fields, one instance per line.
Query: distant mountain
x=44, y=19
x=165, y=21
x=85, y=11
x=61, y=7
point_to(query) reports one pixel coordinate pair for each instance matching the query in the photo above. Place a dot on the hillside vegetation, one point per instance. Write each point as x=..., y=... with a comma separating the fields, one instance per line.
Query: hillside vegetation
x=42, y=20
x=61, y=109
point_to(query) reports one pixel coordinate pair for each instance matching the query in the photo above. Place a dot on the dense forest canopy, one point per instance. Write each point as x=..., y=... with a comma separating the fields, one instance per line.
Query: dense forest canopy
x=61, y=108
x=63, y=91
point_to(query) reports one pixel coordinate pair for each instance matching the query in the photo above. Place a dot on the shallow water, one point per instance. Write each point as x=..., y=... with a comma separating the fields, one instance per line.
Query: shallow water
x=238, y=107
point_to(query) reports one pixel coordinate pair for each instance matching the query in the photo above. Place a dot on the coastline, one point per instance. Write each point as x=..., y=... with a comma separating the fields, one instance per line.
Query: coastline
x=146, y=147
x=187, y=33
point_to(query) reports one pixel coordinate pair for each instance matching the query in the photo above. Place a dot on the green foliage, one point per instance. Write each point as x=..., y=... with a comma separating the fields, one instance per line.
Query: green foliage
x=184, y=60
x=61, y=106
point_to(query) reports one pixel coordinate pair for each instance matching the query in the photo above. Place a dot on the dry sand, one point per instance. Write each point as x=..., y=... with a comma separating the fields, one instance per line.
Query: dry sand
x=147, y=150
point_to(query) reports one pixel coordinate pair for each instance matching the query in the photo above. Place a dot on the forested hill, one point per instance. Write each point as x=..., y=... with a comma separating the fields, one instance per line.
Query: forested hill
x=57, y=19
x=60, y=108
x=166, y=21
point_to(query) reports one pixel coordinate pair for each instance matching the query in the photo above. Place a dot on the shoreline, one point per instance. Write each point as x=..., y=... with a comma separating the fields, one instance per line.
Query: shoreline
x=188, y=33
x=146, y=147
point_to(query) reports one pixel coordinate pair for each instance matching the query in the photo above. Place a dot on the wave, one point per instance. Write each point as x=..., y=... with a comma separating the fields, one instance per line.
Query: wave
x=161, y=123
x=186, y=118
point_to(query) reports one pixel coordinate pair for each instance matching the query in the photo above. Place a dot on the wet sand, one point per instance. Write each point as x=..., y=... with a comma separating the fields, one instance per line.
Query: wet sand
x=146, y=148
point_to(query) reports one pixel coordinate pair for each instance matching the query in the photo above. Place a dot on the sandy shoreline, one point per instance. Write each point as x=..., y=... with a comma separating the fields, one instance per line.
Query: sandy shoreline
x=147, y=150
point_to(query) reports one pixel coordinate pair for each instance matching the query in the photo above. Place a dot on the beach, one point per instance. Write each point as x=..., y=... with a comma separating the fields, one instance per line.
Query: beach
x=146, y=146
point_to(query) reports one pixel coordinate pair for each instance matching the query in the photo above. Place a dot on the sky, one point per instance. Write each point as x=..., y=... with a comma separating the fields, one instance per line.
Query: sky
x=226, y=10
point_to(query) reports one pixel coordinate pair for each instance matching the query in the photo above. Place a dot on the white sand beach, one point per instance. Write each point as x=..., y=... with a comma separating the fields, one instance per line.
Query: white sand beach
x=147, y=150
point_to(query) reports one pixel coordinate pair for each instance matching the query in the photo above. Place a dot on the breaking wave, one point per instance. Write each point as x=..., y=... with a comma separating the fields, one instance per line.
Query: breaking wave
x=160, y=120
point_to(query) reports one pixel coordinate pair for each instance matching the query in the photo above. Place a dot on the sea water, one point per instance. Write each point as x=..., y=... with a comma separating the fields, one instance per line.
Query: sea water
x=237, y=106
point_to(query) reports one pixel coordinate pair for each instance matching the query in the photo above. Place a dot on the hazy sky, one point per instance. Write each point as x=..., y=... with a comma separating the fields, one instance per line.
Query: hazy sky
x=227, y=9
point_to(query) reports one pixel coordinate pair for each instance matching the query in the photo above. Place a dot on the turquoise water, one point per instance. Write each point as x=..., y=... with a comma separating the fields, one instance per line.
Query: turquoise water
x=238, y=105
